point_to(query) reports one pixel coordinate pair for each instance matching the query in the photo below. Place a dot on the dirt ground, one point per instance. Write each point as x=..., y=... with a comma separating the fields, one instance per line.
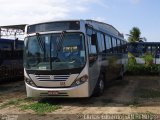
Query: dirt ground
x=135, y=94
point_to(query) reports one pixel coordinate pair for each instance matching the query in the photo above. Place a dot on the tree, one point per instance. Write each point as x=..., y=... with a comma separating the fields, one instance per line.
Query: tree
x=135, y=35
x=148, y=58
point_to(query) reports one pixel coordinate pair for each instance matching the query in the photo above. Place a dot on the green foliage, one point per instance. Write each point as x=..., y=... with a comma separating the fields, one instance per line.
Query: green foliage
x=29, y=103
x=148, y=58
x=142, y=69
x=134, y=35
x=41, y=108
x=14, y=102
x=131, y=59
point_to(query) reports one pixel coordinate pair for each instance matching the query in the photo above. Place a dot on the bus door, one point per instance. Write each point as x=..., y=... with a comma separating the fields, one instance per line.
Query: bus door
x=94, y=69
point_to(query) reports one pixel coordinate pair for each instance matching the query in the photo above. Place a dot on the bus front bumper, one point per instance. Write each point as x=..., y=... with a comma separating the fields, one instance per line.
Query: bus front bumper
x=77, y=91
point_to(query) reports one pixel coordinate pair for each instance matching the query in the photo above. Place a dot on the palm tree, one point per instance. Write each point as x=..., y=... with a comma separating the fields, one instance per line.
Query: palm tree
x=134, y=35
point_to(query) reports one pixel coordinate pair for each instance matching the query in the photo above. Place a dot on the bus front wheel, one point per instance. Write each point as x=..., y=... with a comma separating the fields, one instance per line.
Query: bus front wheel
x=99, y=89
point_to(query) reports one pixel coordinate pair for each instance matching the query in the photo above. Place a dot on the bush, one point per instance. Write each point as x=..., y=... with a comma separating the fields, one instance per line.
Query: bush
x=131, y=59
x=148, y=58
x=142, y=69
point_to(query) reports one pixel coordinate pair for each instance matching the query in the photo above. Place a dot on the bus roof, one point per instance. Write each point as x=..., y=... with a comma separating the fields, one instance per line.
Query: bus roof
x=96, y=24
x=105, y=27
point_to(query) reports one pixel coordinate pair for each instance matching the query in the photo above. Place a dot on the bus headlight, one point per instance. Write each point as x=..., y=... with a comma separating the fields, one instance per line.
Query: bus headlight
x=30, y=82
x=80, y=80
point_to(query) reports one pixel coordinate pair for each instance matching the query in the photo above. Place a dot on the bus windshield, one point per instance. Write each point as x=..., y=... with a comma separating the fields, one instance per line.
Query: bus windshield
x=56, y=51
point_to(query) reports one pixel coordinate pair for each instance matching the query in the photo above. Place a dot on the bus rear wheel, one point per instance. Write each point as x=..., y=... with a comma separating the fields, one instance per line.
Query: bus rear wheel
x=99, y=89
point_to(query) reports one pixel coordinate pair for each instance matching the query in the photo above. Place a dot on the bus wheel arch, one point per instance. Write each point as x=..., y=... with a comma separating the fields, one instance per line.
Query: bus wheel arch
x=100, y=86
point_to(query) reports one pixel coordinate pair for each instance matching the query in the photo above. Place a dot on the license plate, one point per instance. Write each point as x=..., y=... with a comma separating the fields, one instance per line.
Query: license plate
x=52, y=92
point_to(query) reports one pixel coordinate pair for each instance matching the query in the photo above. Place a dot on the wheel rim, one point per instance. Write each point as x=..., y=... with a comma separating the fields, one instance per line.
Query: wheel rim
x=101, y=85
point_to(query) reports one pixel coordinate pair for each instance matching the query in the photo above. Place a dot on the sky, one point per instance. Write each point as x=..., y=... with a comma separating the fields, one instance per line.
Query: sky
x=122, y=14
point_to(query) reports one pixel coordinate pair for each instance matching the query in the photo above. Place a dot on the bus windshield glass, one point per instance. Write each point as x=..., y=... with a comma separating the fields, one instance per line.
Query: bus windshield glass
x=57, y=51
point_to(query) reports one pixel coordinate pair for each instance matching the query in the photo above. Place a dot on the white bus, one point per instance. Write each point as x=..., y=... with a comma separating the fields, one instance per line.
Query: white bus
x=72, y=58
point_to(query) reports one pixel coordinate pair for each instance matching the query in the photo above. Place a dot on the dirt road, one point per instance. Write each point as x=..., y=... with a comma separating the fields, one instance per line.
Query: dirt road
x=138, y=94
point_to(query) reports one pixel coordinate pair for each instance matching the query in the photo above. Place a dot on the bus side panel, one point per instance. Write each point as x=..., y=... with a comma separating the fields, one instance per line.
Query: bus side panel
x=94, y=71
x=112, y=66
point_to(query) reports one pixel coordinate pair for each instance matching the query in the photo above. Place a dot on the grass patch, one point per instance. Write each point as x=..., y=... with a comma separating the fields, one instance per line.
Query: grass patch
x=31, y=104
x=147, y=93
x=14, y=102
x=28, y=99
x=40, y=108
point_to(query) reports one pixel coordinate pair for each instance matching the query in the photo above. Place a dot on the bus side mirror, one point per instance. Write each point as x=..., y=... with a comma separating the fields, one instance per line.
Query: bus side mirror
x=93, y=39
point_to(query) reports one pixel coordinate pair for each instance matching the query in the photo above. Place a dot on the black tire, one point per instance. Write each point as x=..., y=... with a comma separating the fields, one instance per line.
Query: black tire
x=122, y=73
x=99, y=89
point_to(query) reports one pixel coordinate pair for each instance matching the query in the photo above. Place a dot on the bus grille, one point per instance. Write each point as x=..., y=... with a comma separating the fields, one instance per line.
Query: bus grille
x=52, y=77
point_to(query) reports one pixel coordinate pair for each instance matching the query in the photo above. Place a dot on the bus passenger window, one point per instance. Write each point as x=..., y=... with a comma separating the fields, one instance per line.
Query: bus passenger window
x=92, y=46
x=108, y=44
x=101, y=42
x=114, y=44
x=119, y=46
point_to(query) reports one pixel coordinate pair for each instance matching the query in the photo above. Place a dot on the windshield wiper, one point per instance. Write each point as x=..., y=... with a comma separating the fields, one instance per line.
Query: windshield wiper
x=58, y=46
x=40, y=42
x=60, y=41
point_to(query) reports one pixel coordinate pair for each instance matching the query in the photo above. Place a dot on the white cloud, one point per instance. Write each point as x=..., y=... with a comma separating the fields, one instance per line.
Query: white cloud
x=100, y=19
x=30, y=11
